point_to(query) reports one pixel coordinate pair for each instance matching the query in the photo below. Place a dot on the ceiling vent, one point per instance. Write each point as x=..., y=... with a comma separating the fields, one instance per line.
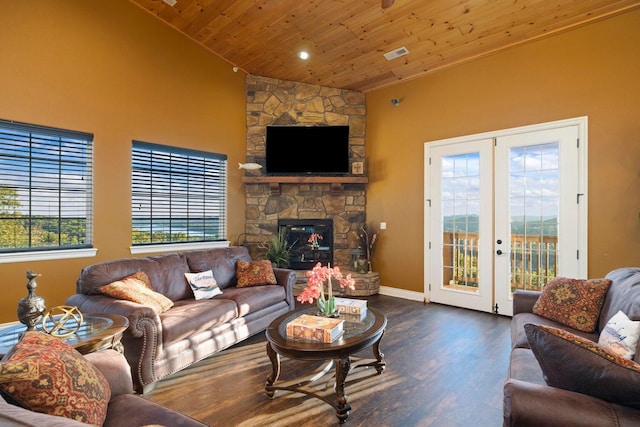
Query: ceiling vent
x=396, y=53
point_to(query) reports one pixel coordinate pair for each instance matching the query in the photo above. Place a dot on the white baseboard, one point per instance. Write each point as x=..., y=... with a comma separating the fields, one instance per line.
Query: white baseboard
x=402, y=293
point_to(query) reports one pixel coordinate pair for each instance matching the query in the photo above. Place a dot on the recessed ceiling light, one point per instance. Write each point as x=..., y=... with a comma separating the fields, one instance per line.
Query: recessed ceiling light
x=170, y=2
x=303, y=54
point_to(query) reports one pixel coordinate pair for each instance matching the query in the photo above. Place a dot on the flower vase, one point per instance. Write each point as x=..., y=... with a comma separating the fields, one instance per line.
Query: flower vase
x=327, y=308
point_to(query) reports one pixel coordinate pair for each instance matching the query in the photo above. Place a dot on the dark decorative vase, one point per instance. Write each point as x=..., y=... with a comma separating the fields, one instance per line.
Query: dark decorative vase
x=31, y=308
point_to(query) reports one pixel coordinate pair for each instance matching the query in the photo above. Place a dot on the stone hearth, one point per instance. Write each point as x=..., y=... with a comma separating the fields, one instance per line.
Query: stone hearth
x=366, y=284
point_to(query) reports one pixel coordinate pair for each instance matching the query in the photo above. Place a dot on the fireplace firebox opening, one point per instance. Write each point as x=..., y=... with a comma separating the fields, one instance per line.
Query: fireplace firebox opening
x=311, y=241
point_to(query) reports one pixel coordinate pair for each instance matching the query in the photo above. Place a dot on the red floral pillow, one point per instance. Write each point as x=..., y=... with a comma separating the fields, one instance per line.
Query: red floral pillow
x=255, y=273
x=46, y=375
x=573, y=302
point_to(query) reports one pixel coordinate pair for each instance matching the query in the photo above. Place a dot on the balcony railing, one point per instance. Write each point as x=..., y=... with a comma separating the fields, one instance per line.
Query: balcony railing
x=534, y=260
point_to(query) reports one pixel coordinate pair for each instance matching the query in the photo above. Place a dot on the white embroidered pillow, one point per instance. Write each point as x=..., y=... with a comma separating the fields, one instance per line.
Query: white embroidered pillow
x=203, y=285
x=620, y=335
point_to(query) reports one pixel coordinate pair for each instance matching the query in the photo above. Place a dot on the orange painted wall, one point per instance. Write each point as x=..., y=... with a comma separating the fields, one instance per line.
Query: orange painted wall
x=592, y=71
x=108, y=68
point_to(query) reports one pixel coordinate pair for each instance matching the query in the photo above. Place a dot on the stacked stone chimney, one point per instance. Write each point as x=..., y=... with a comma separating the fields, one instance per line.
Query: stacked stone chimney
x=278, y=102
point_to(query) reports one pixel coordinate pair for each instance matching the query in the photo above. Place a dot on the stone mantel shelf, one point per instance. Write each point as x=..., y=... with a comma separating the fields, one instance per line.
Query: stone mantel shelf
x=275, y=181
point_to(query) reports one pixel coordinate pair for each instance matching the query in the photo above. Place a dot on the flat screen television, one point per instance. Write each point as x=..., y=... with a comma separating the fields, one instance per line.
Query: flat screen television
x=307, y=150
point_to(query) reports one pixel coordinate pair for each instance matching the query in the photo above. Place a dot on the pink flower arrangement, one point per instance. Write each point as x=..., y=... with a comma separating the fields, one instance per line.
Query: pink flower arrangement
x=315, y=287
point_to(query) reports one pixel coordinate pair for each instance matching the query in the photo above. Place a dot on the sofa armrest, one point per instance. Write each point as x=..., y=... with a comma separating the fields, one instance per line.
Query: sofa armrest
x=287, y=278
x=136, y=313
x=135, y=410
x=143, y=338
x=523, y=301
x=115, y=369
x=527, y=404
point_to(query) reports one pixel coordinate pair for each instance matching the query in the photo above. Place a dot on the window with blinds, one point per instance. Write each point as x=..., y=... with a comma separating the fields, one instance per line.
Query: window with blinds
x=46, y=188
x=178, y=195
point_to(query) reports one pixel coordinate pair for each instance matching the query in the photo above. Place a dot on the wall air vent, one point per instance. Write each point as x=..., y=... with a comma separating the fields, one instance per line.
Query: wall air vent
x=396, y=53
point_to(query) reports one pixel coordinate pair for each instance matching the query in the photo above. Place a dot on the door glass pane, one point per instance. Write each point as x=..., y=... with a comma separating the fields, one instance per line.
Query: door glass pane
x=460, y=218
x=534, y=196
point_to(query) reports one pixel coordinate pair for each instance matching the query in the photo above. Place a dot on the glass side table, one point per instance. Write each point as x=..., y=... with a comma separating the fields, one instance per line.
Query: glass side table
x=97, y=332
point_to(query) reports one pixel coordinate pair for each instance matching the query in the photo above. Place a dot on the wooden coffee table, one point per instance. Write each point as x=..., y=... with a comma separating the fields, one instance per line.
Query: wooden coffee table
x=97, y=332
x=357, y=336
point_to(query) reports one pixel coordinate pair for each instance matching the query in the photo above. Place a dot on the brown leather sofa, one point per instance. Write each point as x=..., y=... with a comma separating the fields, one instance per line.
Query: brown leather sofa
x=157, y=345
x=528, y=401
x=125, y=407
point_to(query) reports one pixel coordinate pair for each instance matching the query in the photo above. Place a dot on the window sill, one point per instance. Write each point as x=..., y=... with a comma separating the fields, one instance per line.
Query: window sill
x=47, y=255
x=177, y=247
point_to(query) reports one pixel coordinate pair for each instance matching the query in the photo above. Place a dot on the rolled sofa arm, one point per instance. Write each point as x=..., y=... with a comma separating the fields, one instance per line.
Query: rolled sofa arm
x=533, y=405
x=143, y=338
x=136, y=313
x=115, y=369
x=523, y=301
x=287, y=278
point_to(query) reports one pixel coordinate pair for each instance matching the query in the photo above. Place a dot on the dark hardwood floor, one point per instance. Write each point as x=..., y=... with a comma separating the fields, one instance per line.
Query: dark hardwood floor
x=445, y=367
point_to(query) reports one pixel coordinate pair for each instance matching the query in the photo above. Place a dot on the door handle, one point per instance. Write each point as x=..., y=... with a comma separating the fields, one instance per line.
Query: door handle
x=499, y=252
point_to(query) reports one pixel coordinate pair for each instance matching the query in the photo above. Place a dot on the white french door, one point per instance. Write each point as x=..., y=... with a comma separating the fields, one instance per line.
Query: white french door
x=504, y=211
x=460, y=224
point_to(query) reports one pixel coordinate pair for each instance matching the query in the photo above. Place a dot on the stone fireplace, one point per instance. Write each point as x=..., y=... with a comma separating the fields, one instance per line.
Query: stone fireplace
x=277, y=102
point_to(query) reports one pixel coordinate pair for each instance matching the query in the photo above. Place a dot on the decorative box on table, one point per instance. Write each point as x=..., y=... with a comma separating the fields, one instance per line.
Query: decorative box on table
x=351, y=309
x=315, y=328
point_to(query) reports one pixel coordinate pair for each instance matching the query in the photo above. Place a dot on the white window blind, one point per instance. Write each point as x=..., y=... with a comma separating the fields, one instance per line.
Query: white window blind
x=46, y=188
x=178, y=195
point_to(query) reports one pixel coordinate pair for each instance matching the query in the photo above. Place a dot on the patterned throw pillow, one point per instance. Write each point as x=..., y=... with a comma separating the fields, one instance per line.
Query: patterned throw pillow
x=203, y=285
x=573, y=302
x=46, y=375
x=620, y=335
x=137, y=288
x=255, y=273
x=575, y=363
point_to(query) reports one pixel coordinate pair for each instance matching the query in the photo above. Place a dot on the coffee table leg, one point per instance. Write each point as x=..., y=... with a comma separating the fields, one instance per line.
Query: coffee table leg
x=342, y=407
x=380, y=364
x=274, y=357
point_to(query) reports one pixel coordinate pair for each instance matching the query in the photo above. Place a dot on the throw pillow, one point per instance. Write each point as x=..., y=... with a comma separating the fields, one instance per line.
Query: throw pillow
x=203, y=285
x=573, y=302
x=44, y=374
x=575, y=363
x=255, y=273
x=137, y=288
x=620, y=335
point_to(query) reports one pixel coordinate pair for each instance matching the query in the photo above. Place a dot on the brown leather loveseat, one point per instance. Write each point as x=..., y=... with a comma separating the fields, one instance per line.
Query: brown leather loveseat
x=603, y=392
x=157, y=345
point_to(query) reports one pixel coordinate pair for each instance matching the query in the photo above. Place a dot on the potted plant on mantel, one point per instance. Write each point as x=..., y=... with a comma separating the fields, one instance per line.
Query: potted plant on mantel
x=278, y=249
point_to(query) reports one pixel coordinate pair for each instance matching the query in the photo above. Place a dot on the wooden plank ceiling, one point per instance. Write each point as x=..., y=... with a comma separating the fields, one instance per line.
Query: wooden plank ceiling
x=346, y=39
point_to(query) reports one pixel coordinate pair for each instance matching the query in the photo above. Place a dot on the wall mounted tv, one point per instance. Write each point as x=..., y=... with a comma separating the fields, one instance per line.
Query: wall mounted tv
x=307, y=150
